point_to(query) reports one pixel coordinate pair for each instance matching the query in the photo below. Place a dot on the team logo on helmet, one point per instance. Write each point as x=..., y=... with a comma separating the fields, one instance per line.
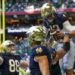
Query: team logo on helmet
x=48, y=11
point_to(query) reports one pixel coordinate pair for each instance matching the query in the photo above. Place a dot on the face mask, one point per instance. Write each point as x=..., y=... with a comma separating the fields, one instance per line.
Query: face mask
x=50, y=20
x=13, y=52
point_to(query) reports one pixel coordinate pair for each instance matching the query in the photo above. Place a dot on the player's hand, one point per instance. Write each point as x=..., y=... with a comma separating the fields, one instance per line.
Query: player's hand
x=1, y=60
x=54, y=62
x=60, y=34
x=53, y=31
x=24, y=64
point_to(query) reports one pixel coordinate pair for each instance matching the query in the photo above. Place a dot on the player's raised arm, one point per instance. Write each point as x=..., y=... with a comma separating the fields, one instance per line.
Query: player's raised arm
x=64, y=49
x=71, y=33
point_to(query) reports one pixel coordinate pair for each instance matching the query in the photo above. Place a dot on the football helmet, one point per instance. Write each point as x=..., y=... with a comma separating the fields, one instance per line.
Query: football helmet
x=5, y=47
x=36, y=33
x=48, y=11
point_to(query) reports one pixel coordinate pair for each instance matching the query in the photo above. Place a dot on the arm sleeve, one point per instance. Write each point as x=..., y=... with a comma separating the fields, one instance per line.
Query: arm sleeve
x=67, y=26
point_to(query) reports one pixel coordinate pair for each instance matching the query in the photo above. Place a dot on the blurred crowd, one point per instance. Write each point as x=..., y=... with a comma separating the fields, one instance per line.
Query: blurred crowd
x=64, y=3
x=22, y=5
x=22, y=46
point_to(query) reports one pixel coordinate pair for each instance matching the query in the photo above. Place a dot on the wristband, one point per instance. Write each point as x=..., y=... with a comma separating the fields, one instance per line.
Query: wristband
x=66, y=34
x=66, y=46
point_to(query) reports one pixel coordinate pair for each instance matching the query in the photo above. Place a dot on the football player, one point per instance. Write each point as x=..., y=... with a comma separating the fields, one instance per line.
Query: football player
x=9, y=61
x=57, y=21
x=55, y=67
x=40, y=59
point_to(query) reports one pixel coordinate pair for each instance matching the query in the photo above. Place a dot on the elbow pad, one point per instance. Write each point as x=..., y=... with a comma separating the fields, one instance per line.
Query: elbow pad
x=66, y=46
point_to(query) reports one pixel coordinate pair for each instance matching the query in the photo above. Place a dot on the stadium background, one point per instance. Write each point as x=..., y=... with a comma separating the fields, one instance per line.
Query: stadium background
x=22, y=14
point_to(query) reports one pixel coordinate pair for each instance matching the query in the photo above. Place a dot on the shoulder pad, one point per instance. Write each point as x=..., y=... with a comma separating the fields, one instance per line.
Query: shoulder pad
x=39, y=50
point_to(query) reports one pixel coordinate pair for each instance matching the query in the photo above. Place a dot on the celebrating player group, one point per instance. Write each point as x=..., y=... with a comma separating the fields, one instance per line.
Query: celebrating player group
x=49, y=43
